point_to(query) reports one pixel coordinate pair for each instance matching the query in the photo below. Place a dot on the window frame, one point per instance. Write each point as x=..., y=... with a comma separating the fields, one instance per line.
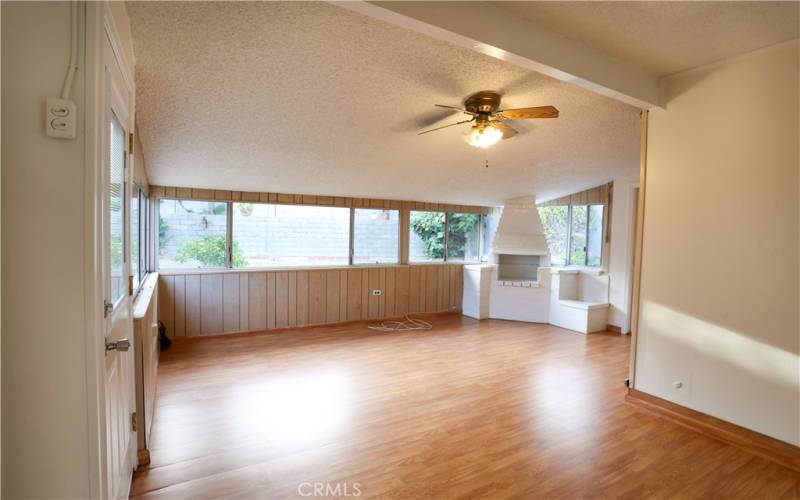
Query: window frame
x=353, y=238
x=404, y=216
x=157, y=220
x=568, y=243
x=229, y=241
x=143, y=236
x=446, y=258
x=408, y=239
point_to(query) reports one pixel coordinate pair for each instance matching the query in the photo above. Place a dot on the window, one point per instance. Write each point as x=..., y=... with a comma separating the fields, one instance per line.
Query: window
x=266, y=235
x=490, y=223
x=213, y=234
x=463, y=237
x=376, y=236
x=426, y=236
x=135, y=237
x=555, y=220
x=594, y=236
x=116, y=209
x=574, y=234
x=577, y=235
x=192, y=234
x=139, y=235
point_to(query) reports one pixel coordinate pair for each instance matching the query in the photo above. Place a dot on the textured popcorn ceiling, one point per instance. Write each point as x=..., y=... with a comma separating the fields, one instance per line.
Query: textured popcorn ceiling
x=668, y=37
x=312, y=98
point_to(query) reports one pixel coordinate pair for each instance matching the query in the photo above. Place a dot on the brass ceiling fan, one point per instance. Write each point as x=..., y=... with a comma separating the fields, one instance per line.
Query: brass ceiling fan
x=490, y=121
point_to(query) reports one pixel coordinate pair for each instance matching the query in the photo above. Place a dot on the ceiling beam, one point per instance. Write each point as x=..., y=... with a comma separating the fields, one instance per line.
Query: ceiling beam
x=496, y=32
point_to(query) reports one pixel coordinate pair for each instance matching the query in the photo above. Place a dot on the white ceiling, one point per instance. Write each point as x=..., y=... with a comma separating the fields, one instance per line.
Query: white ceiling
x=312, y=98
x=668, y=37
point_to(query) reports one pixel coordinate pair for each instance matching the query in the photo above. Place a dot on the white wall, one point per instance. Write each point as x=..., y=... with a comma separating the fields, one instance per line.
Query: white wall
x=44, y=425
x=719, y=296
x=620, y=259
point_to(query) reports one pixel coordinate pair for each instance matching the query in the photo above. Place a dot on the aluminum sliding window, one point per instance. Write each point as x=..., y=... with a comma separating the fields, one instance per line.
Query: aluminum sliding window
x=426, y=239
x=211, y=234
x=192, y=234
x=463, y=237
x=376, y=236
x=440, y=236
x=574, y=234
x=267, y=235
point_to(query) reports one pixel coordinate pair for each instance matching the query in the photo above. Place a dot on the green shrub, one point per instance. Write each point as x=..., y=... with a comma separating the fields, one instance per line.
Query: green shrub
x=461, y=225
x=211, y=251
x=429, y=226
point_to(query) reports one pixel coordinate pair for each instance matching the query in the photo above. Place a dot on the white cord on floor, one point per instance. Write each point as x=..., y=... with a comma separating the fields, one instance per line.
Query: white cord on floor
x=408, y=324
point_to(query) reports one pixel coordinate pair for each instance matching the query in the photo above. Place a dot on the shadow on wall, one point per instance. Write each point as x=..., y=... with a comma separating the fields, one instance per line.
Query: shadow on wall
x=678, y=346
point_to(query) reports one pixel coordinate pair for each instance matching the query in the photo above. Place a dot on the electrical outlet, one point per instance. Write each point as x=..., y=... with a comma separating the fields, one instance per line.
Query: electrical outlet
x=376, y=292
x=60, y=117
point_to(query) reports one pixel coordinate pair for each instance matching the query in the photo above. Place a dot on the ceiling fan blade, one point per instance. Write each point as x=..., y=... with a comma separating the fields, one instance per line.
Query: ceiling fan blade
x=527, y=113
x=445, y=126
x=455, y=107
x=508, y=132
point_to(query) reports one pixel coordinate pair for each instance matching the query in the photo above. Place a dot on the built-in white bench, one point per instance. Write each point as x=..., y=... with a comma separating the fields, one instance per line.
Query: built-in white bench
x=579, y=300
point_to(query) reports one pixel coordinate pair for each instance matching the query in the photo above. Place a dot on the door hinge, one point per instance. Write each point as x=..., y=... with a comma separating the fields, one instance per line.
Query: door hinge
x=133, y=421
x=130, y=285
x=130, y=143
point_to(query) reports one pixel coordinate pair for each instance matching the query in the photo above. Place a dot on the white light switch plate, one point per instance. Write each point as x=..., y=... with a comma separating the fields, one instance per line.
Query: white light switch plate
x=60, y=117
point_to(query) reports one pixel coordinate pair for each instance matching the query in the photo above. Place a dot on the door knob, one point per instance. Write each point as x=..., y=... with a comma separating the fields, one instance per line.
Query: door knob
x=119, y=345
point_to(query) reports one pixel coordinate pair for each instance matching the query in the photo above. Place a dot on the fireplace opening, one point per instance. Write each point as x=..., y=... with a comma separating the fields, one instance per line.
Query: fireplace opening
x=512, y=267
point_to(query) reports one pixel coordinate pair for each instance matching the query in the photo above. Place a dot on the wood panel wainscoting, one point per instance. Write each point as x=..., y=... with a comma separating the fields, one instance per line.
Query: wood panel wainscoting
x=751, y=441
x=146, y=351
x=228, y=301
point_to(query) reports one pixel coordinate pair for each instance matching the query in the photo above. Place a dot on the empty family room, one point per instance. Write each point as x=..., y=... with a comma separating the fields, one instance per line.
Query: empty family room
x=400, y=250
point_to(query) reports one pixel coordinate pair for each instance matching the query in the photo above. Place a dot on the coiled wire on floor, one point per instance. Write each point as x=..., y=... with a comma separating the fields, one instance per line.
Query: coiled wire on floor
x=407, y=325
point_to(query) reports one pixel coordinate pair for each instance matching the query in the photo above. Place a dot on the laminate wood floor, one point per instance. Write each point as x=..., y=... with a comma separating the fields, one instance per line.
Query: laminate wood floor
x=490, y=409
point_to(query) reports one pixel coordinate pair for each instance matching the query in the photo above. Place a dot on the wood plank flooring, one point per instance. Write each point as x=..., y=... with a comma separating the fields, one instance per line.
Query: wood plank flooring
x=490, y=409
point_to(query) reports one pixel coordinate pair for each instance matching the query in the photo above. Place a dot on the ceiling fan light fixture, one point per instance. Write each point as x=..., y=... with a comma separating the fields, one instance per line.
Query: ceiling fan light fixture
x=483, y=137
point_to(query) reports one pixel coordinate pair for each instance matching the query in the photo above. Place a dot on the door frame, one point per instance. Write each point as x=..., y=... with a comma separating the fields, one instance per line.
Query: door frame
x=98, y=23
x=638, y=244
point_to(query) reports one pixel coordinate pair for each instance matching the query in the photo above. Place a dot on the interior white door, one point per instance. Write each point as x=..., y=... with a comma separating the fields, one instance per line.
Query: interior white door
x=119, y=368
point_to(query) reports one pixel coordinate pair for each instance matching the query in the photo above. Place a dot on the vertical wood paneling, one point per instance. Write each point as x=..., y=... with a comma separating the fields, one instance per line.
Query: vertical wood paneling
x=180, y=306
x=413, y=289
x=302, y=298
x=316, y=297
x=459, y=286
x=374, y=300
x=453, y=271
x=365, y=294
x=193, y=305
x=292, y=299
x=281, y=300
x=211, y=301
x=431, y=288
x=354, y=294
x=401, y=290
x=270, y=301
x=230, y=302
x=443, y=288
x=166, y=309
x=342, y=295
x=332, y=284
x=244, y=301
x=389, y=292
x=257, y=296
x=382, y=296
